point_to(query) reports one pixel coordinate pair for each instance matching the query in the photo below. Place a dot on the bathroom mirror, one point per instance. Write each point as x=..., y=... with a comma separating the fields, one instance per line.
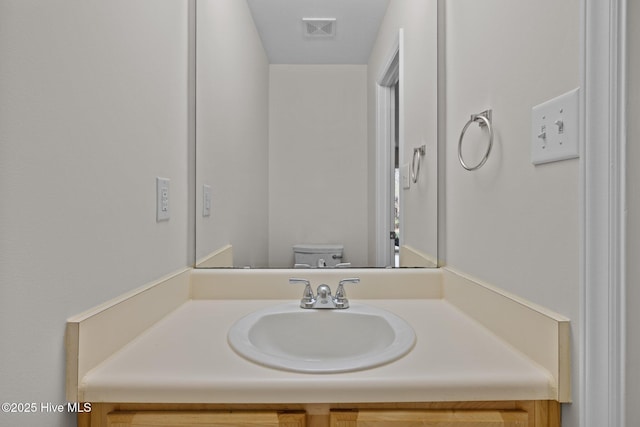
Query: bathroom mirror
x=316, y=125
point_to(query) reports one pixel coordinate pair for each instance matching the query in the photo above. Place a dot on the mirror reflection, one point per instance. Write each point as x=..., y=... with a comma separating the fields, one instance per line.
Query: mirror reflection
x=316, y=133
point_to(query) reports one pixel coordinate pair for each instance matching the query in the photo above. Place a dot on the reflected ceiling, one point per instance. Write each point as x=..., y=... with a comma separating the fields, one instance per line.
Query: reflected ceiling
x=279, y=23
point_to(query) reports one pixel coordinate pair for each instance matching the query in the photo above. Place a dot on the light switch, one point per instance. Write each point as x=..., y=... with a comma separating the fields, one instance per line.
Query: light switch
x=162, y=199
x=554, y=129
x=206, y=200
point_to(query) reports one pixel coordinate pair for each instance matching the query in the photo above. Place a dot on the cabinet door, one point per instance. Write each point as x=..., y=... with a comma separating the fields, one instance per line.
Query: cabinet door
x=204, y=419
x=425, y=418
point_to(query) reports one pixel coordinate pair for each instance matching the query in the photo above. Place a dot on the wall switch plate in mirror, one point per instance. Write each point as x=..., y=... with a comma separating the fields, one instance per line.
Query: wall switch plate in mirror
x=405, y=175
x=162, y=199
x=206, y=200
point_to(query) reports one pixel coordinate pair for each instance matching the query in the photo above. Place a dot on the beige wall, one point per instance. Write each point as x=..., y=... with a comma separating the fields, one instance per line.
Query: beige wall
x=232, y=132
x=93, y=106
x=633, y=216
x=317, y=160
x=510, y=223
x=418, y=19
x=92, y=109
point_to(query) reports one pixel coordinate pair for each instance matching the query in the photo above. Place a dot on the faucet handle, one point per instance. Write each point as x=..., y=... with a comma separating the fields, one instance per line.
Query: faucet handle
x=351, y=280
x=341, y=300
x=297, y=265
x=308, y=299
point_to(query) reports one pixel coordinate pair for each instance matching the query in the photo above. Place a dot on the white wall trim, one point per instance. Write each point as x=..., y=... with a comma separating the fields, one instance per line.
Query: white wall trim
x=602, y=361
x=390, y=72
x=191, y=136
x=383, y=100
x=441, y=146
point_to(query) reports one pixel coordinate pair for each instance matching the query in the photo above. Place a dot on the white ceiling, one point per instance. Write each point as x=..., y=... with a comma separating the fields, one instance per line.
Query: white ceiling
x=279, y=23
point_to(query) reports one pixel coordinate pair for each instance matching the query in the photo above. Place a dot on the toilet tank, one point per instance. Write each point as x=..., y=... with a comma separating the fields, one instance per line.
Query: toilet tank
x=311, y=253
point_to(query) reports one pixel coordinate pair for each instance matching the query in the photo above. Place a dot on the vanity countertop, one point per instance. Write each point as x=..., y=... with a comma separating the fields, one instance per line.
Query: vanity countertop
x=185, y=357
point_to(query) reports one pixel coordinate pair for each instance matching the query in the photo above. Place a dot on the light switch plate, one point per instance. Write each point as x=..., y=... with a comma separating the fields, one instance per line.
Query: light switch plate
x=162, y=199
x=206, y=200
x=554, y=129
x=405, y=176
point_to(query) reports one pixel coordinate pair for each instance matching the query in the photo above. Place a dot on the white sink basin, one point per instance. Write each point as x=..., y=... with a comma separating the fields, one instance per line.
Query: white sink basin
x=321, y=341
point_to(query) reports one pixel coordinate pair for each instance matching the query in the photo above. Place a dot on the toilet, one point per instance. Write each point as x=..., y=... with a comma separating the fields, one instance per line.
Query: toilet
x=317, y=255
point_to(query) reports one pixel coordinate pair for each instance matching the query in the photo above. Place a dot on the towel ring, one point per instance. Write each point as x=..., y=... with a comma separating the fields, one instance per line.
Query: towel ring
x=484, y=120
x=415, y=171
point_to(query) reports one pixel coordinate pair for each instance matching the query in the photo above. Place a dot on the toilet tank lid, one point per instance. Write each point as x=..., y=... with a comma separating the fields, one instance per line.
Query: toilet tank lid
x=317, y=248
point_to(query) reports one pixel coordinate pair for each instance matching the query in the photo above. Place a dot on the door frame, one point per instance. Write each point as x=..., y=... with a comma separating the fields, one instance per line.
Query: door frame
x=603, y=209
x=389, y=75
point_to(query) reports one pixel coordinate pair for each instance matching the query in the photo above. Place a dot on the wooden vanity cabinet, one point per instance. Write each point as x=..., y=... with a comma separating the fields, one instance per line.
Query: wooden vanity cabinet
x=204, y=419
x=456, y=414
x=437, y=414
x=429, y=417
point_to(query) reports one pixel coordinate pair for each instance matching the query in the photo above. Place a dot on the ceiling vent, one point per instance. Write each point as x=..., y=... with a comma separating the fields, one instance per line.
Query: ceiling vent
x=319, y=27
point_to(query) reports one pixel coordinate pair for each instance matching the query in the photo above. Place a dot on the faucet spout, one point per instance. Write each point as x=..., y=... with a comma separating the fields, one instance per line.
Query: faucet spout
x=324, y=297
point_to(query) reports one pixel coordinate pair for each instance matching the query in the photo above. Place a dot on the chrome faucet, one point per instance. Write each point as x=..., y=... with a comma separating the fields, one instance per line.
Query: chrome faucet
x=323, y=297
